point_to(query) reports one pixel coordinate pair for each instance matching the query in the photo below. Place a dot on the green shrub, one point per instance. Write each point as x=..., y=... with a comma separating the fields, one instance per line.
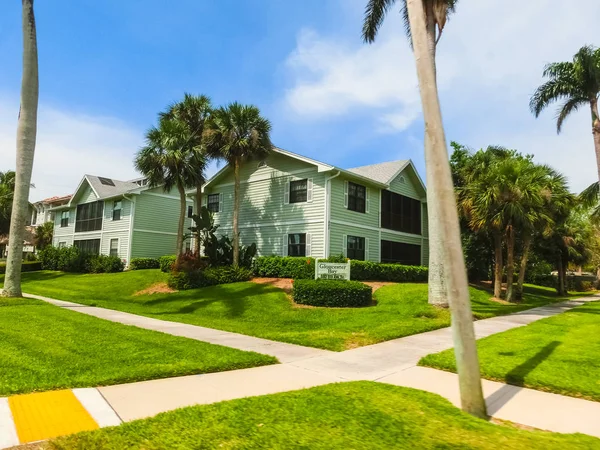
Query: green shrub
x=166, y=262
x=104, y=264
x=210, y=276
x=296, y=267
x=373, y=271
x=546, y=280
x=143, y=263
x=332, y=293
x=26, y=266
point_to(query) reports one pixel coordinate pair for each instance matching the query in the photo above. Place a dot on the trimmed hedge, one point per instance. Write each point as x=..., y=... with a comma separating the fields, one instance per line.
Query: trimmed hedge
x=143, y=263
x=575, y=283
x=332, y=293
x=300, y=268
x=210, y=276
x=71, y=259
x=296, y=267
x=26, y=266
x=166, y=263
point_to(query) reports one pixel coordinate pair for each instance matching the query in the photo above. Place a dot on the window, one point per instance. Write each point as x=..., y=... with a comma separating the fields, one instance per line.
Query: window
x=355, y=247
x=357, y=197
x=117, y=210
x=213, y=202
x=261, y=164
x=114, y=247
x=400, y=213
x=188, y=246
x=298, y=191
x=190, y=212
x=106, y=181
x=34, y=219
x=398, y=252
x=89, y=217
x=297, y=244
x=62, y=244
x=91, y=246
x=64, y=219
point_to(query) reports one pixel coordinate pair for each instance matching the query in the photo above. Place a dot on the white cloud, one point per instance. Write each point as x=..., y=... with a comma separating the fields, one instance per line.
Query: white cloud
x=69, y=146
x=490, y=60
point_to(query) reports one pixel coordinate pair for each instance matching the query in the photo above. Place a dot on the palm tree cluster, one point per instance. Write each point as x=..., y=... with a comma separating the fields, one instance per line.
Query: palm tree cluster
x=189, y=134
x=506, y=196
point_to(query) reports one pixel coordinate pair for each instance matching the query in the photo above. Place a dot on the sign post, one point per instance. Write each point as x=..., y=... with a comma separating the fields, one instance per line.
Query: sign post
x=332, y=271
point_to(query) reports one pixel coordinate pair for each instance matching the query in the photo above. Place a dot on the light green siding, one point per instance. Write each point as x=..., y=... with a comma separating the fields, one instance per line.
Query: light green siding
x=336, y=240
x=155, y=224
x=425, y=252
x=86, y=195
x=340, y=212
x=407, y=184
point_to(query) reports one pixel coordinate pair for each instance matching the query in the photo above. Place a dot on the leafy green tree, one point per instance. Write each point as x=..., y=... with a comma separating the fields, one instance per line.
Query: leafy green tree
x=193, y=112
x=436, y=16
x=237, y=133
x=26, y=136
x=7, y=189
x=577, y=83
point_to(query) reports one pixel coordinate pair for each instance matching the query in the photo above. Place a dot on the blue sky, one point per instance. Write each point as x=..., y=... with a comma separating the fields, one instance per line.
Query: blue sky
x=107, y=68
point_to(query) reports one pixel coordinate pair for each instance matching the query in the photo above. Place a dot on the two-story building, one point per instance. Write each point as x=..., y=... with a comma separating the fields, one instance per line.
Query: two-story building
x=127, y=219
x=297, y=206
x=42, y=211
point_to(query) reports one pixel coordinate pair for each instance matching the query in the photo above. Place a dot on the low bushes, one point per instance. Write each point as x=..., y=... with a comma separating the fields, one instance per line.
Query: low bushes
x=285, y=267
x=166, y=263
x=208, y=277
x=143, y=263
x=332, y=293
x=26, y=266
x=300, y=268
x=575, y=283
x=71, y=259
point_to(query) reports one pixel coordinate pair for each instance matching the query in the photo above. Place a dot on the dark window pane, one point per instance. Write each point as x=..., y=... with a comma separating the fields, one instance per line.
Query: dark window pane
x=213, y=202
x=357, y=195
x=190, y=211
x=400, y=213
x=89, y=217
x=116, y=213
x=401, y=253
x=298, y=190
x=297, y=244
x=355, y=248
x=88, y=246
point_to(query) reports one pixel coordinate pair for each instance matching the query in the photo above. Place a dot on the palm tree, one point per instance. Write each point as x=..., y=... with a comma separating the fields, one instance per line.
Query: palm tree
x=436, y=16
x=169, y=160
x=439, y=179
x=26, y=135
x=237, y=133
x=7, y=190
x=193, y=111
x=578, y=84
x=43, y=235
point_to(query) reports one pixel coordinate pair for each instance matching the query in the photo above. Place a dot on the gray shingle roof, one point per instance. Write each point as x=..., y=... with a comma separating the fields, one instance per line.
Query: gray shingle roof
x=105, y=191
x=382, y=172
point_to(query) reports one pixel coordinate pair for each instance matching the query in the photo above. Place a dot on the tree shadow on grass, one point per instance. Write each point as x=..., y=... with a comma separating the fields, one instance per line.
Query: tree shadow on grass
x=516, y=377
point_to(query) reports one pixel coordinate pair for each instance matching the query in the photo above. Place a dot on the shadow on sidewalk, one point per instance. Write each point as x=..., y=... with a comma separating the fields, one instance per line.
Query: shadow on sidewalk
x=516, y=377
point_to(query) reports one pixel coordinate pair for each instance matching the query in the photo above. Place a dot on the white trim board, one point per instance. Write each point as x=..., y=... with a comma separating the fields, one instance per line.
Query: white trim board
x=172, y=197
x=275, y=224
x=381, y=230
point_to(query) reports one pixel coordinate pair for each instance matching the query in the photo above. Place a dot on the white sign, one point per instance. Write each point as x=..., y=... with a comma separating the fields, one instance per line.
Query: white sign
x=332, y=271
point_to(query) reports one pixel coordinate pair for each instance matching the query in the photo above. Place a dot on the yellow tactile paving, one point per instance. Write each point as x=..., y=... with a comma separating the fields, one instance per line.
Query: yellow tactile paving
x=46, y=415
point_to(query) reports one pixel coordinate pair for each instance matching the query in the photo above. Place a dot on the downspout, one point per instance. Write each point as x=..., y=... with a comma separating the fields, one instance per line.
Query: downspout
x=328, y=212
x=131, y=217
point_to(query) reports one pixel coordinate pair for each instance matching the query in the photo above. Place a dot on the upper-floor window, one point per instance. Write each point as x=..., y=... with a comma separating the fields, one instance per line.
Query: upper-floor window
x=214, y=202
x=357, y=197
x=400, y=213
x=34, y=218
x=64, y=219
x=116, y=212
x=298, y=191
x=89, y=216
x=190, y=211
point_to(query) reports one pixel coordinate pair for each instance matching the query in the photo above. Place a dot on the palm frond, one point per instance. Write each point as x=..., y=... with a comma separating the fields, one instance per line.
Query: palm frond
x=375, y=13
x=590, y=196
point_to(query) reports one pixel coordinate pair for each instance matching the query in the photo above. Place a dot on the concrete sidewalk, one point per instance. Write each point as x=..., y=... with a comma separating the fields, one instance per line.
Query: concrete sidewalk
x=393, y=362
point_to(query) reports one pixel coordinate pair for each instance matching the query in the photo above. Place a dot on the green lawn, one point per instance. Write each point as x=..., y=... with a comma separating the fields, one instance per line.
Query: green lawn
x=559, y=354
x=45, y=347
x=265, y=311
x=358, y=415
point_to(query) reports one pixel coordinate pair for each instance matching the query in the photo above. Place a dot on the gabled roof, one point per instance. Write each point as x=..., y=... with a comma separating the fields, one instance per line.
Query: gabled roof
x=383, y=172
x=103, y=190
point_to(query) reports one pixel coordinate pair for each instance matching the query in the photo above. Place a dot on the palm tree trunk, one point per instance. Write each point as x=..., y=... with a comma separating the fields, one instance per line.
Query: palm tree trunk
x=236, y=211
x=510, y=263
x=498, y=266
x=26, y=136
x=182, y=214
x=455, y=273
x=523, y=267
x=561, y=276
x=198, y=211
x=596, y=131
x=436, y=287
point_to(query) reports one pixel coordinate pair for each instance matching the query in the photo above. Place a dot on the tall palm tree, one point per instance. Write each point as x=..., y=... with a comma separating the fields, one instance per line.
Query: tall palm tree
x=436, y=16
x=578, y=84
x=169, y=160
x=237, y=133
x=26, y=136
x=440, y=180
x=193, y=111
